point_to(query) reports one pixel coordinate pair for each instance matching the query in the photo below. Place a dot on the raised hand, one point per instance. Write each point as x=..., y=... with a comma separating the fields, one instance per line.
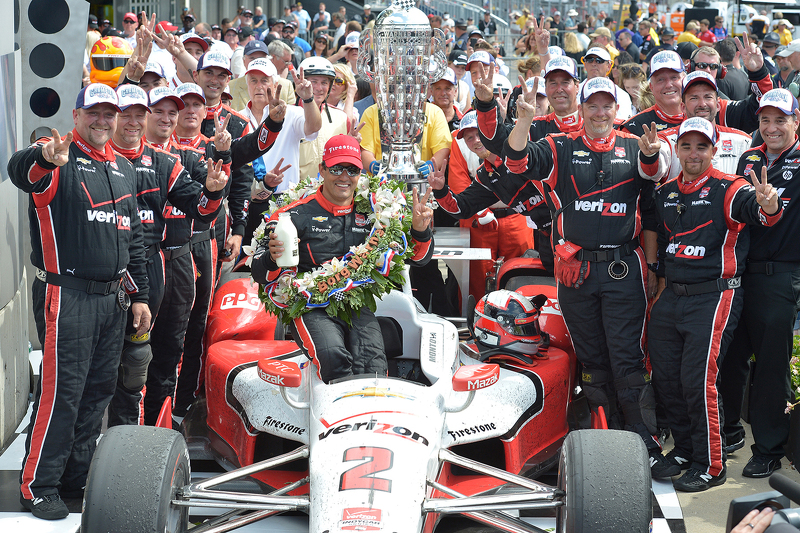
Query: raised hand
x=526, y=103
x=649, y=143
x=302, y=86
x=216, y=179
x=421, y=214
x=484, y=88
x=222, y=137
x=502, y=102
x=436, y=178
x=542, y=36
x=277, y=107
x=529, y=95
x=766, y=195
x=138, y=60
x=274, y=177
x=355, y=130
x=56, y=151
x=749, y=54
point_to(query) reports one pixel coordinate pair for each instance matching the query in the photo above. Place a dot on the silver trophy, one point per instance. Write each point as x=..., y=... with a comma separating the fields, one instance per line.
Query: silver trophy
x=403, y=56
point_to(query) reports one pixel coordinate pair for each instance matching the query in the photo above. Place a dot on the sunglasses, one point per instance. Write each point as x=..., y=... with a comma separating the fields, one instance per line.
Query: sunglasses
x=702, y=66
x=633, y=69
x=322, y=40
x=337, y=170
x=288, y=30
x=338, y=81
x=129, y=21
x=594, y=59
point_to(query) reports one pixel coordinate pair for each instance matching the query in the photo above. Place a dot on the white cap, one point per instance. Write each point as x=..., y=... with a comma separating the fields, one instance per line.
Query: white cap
x=779, y=98
x=481, y=56
x=214, y=59
x=449, y=75
x=540, y=88
x=468, y=121
x=96, y=93
x=794, y=46
x=262, y=65
x=194, y=38
x=666, y=59
x=156, y=68
x=186, y=89
x=598, y=85
x=700, y=125
x=352, y=39
x=129, y=95
x=501, y=82
x=563, y=63
x=159, y=93
x=598, y=51
x=555, y=51
x=572, y=13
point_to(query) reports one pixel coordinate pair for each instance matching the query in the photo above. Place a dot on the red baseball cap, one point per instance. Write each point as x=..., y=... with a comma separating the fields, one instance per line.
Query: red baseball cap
x=130, y=16
x=342, y=149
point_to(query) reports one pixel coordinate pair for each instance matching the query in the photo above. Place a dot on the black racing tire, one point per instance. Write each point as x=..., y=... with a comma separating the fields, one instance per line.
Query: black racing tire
x=133, y=477
x=606, y=476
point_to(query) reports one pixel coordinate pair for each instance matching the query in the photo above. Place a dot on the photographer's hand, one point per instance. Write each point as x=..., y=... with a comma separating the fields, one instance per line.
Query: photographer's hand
x=754, y=521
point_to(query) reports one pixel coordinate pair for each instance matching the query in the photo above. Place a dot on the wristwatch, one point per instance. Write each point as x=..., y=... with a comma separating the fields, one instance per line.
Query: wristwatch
x=653, y=267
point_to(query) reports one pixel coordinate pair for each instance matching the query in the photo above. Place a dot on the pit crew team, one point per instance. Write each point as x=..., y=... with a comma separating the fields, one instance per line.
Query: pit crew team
x=129, y=229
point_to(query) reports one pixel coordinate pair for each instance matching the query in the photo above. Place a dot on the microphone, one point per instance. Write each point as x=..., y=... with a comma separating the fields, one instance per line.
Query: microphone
x=785, y=486
x=681, y=208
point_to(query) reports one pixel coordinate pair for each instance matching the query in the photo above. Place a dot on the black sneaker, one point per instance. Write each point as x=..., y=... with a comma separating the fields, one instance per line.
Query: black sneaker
x=759, y=466
x=738, y=445
x=679, y=458
x=695, y=480
x=48, y=507
x=660, y=468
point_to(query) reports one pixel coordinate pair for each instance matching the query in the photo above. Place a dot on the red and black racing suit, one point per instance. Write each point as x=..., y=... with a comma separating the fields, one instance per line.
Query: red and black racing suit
x=595, y=191
x=326, y=231
x=86, y=236
x=771, y=284
x=702, y=245
x=161, y=180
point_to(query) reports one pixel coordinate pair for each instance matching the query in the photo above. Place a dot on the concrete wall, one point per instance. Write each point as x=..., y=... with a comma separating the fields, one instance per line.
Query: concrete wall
x=14, y=294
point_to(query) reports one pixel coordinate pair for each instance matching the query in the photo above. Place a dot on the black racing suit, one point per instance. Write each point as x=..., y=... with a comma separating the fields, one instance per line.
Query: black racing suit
x=702, y=245
x=594, y=190
x=207, y=240
x=161, y=179
x=86, y=236
x=771, y=284
x=494, y=182
x=326, y=231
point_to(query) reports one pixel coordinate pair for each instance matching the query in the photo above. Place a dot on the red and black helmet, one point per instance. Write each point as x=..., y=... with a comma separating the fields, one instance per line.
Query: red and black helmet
x=509, y=321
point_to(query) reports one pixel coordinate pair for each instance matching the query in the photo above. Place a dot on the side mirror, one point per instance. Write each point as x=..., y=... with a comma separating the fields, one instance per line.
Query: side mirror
x=538, y=301
x=475, y=377
x=281, y=373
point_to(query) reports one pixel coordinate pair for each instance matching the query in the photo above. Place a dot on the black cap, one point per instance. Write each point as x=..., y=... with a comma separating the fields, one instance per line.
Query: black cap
x=461, y=23
x=234, y=30
x=255, y=46
x=215, y=27
x=772, y=37
x=247, y=12
x=476, y=32
x=188, y=16
x=458, y=57
x=92, y=22
x=667, y=31
x=487, y=13
x=686, y=49
x=609, y=19
x=245, y=32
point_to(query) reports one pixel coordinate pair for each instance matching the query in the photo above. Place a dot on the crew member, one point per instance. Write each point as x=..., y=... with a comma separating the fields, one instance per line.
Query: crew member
x=595, y=178
x=87, y=250
x=701, y=249
x=336, y=347
x=771, y=284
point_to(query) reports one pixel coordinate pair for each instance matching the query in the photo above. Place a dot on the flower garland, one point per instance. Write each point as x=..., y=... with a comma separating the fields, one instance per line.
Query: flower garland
x=345, y=284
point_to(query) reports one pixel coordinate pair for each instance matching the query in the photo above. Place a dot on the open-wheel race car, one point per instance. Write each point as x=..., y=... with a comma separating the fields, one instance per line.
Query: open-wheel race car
x=451, y=432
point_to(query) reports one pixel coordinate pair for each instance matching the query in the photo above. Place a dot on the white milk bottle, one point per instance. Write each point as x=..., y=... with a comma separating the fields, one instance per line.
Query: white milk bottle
x=286, y=232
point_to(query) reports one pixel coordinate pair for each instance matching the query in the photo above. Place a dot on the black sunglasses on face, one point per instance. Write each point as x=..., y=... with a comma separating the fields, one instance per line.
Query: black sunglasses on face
x=594, y=59
x=703, y=66
x=337, y=170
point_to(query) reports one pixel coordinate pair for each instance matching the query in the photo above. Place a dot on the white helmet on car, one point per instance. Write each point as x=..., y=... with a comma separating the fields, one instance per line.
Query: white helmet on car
x=317, y=66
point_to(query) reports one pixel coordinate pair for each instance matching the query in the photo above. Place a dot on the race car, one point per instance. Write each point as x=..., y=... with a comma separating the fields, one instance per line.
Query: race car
x=452, y=431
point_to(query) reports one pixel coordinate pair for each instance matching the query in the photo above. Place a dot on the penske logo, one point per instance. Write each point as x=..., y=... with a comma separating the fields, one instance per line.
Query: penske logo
x=606, y=209
x=685, y=251
x=122, y=222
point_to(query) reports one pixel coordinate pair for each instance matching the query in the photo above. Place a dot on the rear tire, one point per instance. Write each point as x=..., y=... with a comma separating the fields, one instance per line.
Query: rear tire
x=134, y=475
x=606, y=477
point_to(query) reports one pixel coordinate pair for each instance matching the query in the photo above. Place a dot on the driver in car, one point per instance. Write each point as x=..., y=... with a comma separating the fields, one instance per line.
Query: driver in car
x=327, y=226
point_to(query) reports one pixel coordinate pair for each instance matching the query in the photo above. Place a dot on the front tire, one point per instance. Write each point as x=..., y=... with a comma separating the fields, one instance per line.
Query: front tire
x=606, y=477
x=134, y=475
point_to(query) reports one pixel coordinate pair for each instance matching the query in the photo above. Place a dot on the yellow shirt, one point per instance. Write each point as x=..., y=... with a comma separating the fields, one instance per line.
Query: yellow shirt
x=612, y=51
x=786, y=36
x=522, y=21
x=435, y=133
x=688, y=36
x=654, y=37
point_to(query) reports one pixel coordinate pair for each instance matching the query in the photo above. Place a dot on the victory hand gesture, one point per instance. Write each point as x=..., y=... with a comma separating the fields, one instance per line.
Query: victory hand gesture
x=649, y=143
x=216, y=179
x=56, y=151
x=277, y=107
x=302, y=86
x=421, y=214
x=484, y=89
x=542, y=36
x=766, y=195
x=526, y=103
x=274, y=177
x=749, y=54
x=222, y=137
x=436, y=178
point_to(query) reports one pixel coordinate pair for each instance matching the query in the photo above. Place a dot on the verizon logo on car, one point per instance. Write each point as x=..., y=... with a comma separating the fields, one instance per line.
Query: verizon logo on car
x=476, y=384
x=122, y=222
x=361, y=519
x=608, y=209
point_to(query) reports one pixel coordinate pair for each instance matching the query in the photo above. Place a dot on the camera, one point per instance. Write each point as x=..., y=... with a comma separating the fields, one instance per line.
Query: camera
x=785, y=520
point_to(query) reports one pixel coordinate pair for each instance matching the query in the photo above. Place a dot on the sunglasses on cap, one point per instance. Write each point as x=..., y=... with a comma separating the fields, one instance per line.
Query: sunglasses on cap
x=351, y=170
x=703, y=66
x=594, y=59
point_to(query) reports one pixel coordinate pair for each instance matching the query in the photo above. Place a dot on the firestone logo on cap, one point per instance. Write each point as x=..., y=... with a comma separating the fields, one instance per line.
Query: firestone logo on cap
x=780, y=98
x=699, y=125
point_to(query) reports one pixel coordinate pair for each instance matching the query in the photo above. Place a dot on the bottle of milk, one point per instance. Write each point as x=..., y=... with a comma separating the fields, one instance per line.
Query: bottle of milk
x=286, y=232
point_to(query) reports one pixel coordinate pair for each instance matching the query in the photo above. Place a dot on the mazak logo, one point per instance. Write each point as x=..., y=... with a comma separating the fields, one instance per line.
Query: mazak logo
x=607, y=209
x=482, y=383
x=685, y=251
x=241, y=300
x=269, y=378
x=147, y=216
x=375, y=427
x=122, y=222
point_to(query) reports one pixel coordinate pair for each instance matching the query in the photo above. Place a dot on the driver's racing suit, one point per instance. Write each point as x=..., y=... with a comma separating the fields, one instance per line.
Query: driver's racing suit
x=326, y=231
